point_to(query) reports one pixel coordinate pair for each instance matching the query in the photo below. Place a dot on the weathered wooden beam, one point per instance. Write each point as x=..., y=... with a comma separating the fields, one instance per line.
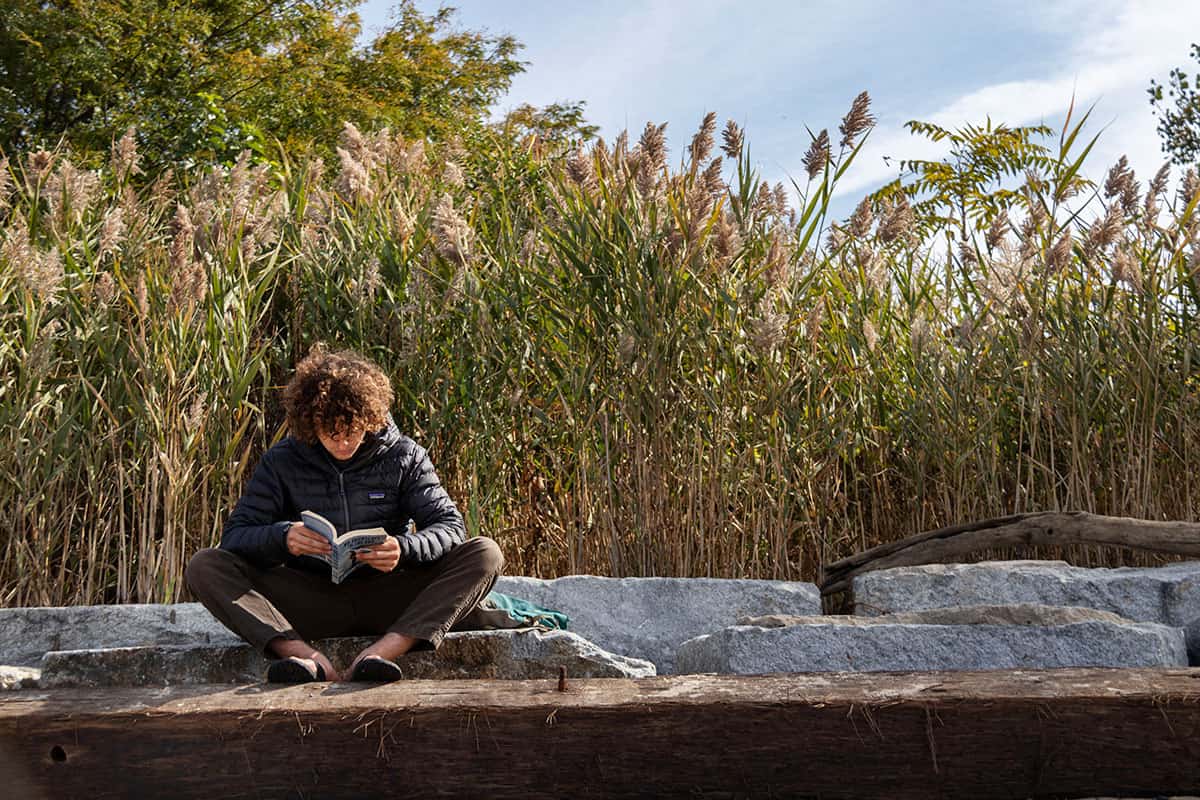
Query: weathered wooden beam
x=1043, y=528
x=1059, y=733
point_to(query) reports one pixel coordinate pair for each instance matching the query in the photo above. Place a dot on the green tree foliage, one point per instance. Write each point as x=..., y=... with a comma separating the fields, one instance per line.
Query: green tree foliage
x=562, y=123
x=967, y=186
x=421, y=77
x=1178, y=111
x=201, y=80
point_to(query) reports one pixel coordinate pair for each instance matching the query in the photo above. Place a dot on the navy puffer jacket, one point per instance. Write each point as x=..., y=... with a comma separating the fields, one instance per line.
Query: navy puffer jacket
x=388, y=481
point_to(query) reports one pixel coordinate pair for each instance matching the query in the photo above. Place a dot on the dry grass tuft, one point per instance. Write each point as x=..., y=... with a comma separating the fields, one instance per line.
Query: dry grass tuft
x=620, y=368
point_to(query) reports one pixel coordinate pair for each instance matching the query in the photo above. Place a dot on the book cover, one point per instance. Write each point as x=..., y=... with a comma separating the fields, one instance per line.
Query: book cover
x=341, y=559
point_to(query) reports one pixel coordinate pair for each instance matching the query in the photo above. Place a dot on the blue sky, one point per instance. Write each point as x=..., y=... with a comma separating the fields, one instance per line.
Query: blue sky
x=775, y=67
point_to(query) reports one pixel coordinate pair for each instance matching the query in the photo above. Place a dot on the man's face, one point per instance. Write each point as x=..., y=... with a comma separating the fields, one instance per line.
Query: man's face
x=342, y=444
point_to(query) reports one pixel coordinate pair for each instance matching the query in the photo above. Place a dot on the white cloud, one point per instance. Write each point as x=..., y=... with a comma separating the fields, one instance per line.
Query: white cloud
x=613, y=60
x=775, y=65
x=670, y=60
x=1117, y=49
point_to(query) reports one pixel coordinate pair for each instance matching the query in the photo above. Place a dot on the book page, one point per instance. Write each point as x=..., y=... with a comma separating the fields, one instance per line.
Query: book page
x=344, y=560
x=316, y=522
x=341, y=558
x=319, y=524
x=367, y=537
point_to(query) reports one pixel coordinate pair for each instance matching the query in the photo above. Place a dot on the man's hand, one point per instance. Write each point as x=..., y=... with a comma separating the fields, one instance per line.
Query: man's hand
x=383, y=557
x=304, y=541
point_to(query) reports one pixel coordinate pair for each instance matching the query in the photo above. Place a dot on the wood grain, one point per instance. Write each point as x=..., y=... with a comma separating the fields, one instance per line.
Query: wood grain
x=1044, y=528
x=842, y=735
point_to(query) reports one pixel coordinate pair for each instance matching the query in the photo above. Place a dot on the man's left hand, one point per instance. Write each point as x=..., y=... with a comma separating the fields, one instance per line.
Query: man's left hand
x=383, y=557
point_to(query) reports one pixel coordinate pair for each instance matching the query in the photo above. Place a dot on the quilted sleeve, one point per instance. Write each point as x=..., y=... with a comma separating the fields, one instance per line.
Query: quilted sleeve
x=255, y=529
x=439, y=525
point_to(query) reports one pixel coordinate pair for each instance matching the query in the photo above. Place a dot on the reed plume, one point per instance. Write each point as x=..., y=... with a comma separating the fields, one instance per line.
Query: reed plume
x=731, y=140
x=453, y=234
x=997, y=230
x=112, y=228
x=124, y=159
x=817, y=155
x=579, y=169
x=861, y=220
x=1104, y=231
x=5, y=184
x=679, y=376
x=452, y=175
x=702, y=142
x=1060, y=255
x=897, y=226
x=857, y=120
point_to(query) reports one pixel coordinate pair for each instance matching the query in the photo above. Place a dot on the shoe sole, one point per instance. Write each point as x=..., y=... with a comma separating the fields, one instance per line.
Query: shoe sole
x=376, y=670
x=290, y=670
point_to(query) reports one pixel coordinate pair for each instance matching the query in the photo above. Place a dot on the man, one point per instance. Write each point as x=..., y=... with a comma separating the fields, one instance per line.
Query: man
x=345, y=459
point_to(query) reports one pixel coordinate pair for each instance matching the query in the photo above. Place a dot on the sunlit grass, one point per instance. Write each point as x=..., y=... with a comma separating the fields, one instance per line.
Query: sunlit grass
x=621, y=366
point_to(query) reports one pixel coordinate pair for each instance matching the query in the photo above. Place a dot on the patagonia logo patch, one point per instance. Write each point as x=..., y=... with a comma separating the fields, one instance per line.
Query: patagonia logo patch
x=375, y=495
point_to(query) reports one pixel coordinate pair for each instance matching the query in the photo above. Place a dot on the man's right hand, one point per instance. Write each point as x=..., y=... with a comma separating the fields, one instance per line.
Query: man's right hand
x=304, y=541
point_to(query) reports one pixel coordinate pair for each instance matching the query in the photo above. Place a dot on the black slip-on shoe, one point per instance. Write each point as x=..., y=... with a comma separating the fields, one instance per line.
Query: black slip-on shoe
x=295, y=670
x=376, y=669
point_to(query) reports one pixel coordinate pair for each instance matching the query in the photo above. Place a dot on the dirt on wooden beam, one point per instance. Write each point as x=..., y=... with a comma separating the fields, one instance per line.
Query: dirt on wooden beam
x=1054, y=733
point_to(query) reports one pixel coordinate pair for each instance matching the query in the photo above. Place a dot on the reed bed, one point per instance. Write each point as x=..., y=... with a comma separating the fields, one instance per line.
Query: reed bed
x=622, y=366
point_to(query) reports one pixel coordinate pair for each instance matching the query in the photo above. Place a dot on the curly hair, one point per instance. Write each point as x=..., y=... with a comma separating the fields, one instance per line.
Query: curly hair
x=336, y=391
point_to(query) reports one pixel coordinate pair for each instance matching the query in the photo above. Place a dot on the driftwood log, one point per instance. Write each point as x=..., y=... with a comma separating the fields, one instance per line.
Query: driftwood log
x=1056, y=733
x=1046, y=528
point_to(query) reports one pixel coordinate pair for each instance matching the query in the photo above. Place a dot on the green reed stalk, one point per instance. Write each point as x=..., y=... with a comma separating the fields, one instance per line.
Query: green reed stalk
x=620, y=366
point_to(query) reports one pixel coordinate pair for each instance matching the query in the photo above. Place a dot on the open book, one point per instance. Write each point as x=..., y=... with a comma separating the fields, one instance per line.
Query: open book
x=341, y=560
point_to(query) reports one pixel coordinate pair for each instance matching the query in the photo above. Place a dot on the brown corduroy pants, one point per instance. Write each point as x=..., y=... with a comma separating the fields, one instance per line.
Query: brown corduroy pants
x=423, y=601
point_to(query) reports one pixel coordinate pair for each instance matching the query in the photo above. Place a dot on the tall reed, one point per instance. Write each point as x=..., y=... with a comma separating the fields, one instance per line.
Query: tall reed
x=621, y=365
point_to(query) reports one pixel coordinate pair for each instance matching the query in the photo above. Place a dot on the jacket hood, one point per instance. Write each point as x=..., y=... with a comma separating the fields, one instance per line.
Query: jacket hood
x=374, y=445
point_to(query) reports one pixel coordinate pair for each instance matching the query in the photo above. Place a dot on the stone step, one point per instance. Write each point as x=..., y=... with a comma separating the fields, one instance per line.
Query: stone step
x=506, y=654
x=28, y=633
x=1169, y=595
x=650, y=617
x=1023, y=637
x=638, y=617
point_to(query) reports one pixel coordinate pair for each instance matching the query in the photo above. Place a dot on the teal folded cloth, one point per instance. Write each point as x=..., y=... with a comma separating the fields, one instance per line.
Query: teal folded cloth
x=525, y=612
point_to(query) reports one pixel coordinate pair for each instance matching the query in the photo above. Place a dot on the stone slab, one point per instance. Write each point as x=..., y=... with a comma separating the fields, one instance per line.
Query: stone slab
x=1021, y=614
x=832, y=644
x=502, y=654
x=649, y=617
x=637, y=617
x=1169, y=595
x=28, y=633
